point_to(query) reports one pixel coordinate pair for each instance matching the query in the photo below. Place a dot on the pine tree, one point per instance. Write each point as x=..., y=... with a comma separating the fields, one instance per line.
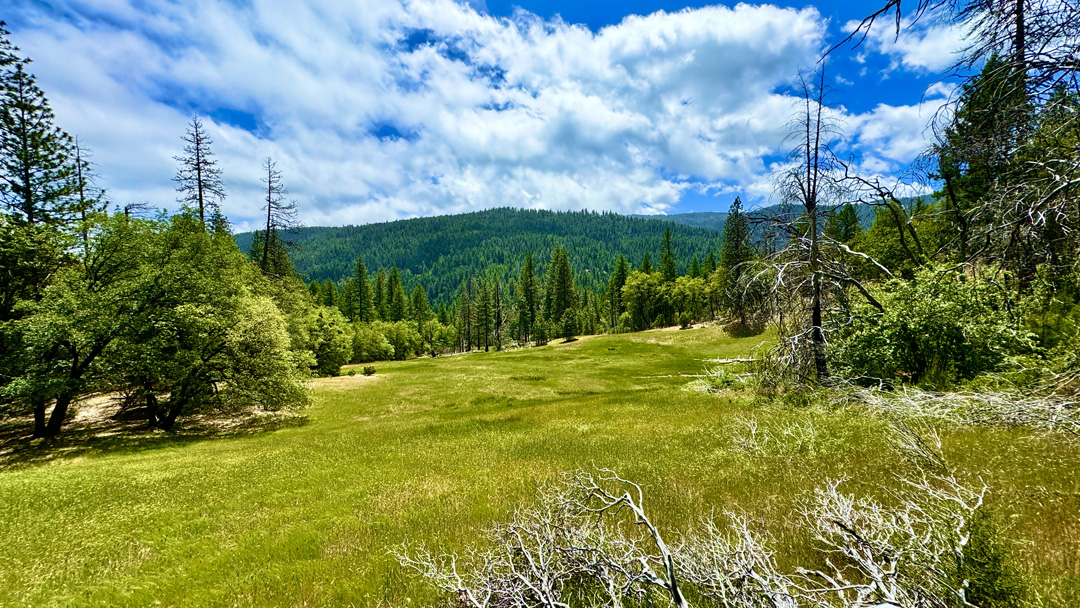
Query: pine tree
x=695, y=268
x=280, y=216
x=419, y=307
x=527, y=297
x=484, y=317
x=365, y=306
x=614, y=289
x=646, y=264
x=736, y=248
x=667, y=261
x=382, y=299
x=396, y=304
x=710, y=263
x=198, y=180
x=497, y=304
x=350, y=299
x=37, y=165
x=560, y=294
x=842, y=224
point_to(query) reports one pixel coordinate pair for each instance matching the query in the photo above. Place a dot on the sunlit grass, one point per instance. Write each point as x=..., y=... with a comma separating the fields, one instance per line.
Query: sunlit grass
x=434, y=450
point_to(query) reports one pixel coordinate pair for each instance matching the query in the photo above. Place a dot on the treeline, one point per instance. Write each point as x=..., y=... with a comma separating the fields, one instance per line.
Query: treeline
x=165, y=311
x=441, y=252
x=488, y=312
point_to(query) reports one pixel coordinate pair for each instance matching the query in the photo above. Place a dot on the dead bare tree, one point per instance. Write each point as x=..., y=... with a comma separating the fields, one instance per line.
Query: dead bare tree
x=809, y=183
x=198, y=180
x=571, y=550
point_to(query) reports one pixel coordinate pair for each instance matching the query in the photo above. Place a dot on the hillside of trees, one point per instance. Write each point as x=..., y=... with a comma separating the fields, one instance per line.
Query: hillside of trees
x=440, y=252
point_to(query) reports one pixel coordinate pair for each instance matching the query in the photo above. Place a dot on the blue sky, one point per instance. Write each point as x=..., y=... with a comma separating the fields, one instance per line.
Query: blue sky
x=383, y=109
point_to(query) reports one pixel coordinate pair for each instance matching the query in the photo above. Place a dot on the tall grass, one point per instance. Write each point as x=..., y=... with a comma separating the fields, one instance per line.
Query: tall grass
x=435, y=450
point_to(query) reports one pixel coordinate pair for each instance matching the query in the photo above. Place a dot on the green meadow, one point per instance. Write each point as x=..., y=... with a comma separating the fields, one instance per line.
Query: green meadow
x=306, y=510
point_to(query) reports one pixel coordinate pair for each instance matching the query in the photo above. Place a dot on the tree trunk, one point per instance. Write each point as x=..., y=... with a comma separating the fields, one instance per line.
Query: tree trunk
x=56, y=420
x=152, y=418
x=39, y=418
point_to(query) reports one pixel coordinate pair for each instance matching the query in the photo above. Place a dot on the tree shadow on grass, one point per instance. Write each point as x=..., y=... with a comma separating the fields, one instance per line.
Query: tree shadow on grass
x=113, y=435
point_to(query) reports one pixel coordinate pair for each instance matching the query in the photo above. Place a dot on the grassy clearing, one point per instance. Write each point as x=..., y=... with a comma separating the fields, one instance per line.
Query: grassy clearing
x=433, y=450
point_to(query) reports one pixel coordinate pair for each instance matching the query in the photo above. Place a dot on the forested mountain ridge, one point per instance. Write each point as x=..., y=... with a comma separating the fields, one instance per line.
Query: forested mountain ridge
x=440, y=252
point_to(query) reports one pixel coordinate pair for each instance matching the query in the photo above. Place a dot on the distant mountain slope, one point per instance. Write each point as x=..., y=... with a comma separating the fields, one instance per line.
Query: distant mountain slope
x=439, y=252
x=711, y=220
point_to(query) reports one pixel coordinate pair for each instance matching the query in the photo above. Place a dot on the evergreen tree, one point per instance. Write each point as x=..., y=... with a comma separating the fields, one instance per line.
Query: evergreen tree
x=560, y=295
x=710, y=263
x=328, y=294
x=667, y=261
x=37, y=164
x=382, y=299
x=278, y=263
x=646, y=264
x=842, y=224
x=615, y=290
x=465, y=326
x=527, y=298
x=695, y=268
x=396, y=304
x=498, y=315
x=280, y=216
x=365, y=299
x=198, y=180
x=484, y=316
x=736, y=247
x=419, y=307
x=350, y=300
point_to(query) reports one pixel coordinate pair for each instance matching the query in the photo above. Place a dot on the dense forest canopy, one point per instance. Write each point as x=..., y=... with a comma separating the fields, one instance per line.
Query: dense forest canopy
x=440, y=252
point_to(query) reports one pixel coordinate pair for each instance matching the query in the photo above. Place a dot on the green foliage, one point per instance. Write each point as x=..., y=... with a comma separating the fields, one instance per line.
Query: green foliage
x=370, y=344
x=940, y=327
x=842, y=224
x=332, y=341
x=441, y=252
x=641, y=295
x=38, y=168
x=667, y=260
x=736, y=248
x=369, y=370
x=560, y=298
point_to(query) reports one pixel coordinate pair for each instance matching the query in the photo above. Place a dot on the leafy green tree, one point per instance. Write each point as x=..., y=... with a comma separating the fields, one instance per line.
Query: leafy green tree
x=198, y=180
x=370, y=344
x=331, y=340
x=641, y=293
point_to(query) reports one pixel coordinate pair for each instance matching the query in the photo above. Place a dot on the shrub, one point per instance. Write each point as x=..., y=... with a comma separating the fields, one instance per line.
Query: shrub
x=369, y=344
x=685, y=320
x=936, y=329
x=369, y=370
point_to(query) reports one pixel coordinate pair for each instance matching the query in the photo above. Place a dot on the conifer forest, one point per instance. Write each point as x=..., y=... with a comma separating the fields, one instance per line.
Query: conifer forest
x=845, y=382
